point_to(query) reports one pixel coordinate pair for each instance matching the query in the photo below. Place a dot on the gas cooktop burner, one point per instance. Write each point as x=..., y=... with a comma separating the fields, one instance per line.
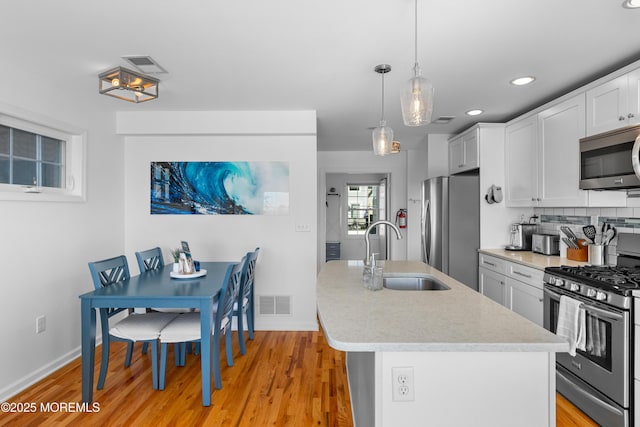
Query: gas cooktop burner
x=616, y=277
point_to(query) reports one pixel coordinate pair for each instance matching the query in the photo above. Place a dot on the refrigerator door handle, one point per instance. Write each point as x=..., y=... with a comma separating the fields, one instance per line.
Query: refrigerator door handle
x=426, y=232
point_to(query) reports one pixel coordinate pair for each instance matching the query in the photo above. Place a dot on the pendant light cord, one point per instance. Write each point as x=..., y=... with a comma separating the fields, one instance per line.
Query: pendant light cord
x=415, y=27
x=382, y=109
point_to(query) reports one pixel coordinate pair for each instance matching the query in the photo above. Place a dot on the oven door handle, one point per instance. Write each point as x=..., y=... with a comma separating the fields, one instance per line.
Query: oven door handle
x=603, y=313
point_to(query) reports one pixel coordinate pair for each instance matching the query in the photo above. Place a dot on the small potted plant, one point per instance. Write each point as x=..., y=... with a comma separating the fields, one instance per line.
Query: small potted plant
x=175, y=253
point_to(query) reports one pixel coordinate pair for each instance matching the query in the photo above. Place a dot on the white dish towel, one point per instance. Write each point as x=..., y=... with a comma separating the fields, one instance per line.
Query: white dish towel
x=572, y=324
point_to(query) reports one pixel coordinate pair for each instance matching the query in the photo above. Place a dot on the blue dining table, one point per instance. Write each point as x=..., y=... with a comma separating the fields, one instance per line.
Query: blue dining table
x=155, y=288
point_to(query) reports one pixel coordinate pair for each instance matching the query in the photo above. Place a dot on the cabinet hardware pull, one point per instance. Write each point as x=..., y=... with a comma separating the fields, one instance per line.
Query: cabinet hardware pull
x=489, y=263
x=621, y=118
x=522, y=274
x=630, y=115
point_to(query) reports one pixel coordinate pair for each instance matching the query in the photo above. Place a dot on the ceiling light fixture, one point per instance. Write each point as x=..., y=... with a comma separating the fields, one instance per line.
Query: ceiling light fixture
x=475, y=112
x=521, y=81
x=417, y=98
x=631, y=4
x=128, y=85
x=383, y=134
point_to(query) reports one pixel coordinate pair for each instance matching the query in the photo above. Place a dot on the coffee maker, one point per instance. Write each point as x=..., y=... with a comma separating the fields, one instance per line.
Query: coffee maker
x=521, y=235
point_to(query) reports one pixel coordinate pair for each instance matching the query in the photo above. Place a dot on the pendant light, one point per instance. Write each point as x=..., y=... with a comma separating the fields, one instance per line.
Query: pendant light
x=383, y=134
x=417, y=98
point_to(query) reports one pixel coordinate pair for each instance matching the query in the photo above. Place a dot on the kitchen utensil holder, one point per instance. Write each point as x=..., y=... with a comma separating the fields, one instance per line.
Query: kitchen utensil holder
x=596, y=254
x=581, y=254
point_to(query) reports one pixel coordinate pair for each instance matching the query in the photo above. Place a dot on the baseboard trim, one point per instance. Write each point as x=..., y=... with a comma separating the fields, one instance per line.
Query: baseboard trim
x=46, y=370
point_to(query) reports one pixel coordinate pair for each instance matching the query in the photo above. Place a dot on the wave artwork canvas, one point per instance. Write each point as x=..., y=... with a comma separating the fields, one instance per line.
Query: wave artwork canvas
x=219, y=188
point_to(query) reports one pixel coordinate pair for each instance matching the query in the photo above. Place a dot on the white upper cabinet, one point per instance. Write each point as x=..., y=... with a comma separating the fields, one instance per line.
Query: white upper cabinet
x=463, y=152
x=542, y=157
x=614, y=104
x=560, y=128
x=521, y=162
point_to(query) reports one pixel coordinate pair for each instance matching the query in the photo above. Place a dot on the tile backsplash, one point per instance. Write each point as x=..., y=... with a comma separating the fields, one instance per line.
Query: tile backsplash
x=625, y=220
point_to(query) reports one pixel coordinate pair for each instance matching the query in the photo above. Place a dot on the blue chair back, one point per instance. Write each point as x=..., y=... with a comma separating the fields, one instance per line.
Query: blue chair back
x=108, y=272
x=150, y=259
x=229, y=293
x=248, y=275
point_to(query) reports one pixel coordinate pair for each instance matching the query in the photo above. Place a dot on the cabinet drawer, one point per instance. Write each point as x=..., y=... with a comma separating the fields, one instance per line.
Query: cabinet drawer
x=492, y=263
x=529, y=275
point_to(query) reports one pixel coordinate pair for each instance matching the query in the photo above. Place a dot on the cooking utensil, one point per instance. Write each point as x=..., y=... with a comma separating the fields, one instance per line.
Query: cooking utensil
x=590, y=232
x=609, y=236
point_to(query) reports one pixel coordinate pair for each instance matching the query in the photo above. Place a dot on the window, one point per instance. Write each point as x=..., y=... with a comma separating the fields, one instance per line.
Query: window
x=28, y=158
x=363, y=204
x=40, y=159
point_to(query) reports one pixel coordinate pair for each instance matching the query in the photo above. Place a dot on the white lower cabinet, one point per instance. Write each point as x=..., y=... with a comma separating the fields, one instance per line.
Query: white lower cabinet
x=526, y=300
x=516, y=286
x=492, y=285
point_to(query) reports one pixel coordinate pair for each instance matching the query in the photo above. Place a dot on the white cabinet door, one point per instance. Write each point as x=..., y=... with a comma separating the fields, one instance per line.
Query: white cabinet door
x=492, y=285
x=456, y=155
x=607, y=105
x=463, y=152
x=633, y=115
x=526, y=300
x=560, y=128
x=521, y=162
x=614, y=104
x=470, y=144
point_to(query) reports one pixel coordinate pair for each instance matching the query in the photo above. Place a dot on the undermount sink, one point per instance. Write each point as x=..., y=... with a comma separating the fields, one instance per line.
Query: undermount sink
x=414, y=283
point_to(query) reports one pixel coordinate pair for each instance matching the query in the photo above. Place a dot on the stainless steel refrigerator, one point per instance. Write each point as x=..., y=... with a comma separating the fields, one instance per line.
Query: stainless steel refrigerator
x=451, y=226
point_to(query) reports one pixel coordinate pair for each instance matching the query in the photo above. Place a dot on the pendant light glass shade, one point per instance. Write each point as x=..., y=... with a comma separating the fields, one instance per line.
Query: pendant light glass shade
x=383, y=134
x=382, y=139
x=417, y=98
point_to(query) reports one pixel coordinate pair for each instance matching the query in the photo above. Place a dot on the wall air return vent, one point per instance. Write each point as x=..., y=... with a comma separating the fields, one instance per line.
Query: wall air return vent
x=274, y=305
x=146, y=64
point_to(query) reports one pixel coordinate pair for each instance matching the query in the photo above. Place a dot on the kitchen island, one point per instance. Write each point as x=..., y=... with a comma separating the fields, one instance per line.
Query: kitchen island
x=467, y=360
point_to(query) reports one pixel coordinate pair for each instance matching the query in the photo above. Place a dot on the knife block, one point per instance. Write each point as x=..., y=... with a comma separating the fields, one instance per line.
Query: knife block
x=581, y=254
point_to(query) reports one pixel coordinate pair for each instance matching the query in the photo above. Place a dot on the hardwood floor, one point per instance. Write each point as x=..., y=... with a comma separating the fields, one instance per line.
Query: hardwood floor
x=285, y=379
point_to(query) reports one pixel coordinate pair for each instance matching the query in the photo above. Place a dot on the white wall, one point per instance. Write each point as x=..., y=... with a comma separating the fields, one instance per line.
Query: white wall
x=46, y=245
x=287, y=258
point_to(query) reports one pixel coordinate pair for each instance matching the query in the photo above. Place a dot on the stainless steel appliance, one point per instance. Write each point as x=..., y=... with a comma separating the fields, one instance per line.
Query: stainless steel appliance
x=521, y=236
x=610, y=160
x=545, y=244
x=598, y=380
x=451, y=226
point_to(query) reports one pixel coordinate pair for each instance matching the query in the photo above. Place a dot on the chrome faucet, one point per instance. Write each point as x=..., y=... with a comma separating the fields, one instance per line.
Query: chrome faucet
x=371, y=227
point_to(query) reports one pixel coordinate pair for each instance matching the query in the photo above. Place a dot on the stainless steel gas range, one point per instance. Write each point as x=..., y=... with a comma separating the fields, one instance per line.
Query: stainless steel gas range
x=599, y=379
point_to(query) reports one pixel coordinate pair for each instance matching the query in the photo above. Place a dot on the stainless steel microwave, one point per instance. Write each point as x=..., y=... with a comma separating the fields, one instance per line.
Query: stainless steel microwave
x=609, y=161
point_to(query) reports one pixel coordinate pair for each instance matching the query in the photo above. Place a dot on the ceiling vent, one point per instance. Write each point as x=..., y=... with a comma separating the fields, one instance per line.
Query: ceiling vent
x=146, y=64
x=443, y=120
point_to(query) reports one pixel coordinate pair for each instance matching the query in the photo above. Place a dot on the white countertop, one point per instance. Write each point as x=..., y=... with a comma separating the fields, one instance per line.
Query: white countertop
x=531, y=259
x=459, y=319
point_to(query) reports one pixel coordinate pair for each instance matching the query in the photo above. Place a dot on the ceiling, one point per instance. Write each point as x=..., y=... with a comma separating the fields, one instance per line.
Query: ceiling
x=320, y=55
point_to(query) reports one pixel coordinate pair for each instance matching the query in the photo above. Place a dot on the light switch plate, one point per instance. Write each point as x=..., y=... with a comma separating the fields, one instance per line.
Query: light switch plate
x=303, y=228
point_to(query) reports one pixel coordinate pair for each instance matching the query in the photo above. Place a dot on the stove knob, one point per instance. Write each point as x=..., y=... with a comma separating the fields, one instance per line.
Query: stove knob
x=575, y=287
x=601, y=296
x=559, y=282
x=591, y=293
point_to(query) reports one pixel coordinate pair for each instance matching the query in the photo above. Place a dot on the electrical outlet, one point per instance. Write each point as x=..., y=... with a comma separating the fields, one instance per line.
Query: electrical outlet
x=403, y=387
x=41, y=324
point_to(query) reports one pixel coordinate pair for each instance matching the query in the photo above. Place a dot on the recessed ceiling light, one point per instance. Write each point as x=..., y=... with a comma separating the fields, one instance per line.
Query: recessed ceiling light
x=631, y=4
x=520, y=81
x=474, y=112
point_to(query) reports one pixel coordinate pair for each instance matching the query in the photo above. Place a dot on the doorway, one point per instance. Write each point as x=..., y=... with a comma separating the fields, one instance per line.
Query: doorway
x=353, y=202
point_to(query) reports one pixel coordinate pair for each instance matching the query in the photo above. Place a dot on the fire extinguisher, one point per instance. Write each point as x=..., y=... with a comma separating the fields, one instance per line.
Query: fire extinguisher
x=401, y=218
